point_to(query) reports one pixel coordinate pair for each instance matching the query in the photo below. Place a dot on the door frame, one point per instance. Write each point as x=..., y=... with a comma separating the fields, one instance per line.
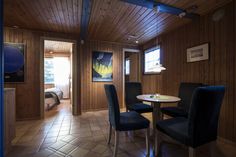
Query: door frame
x=74, y=95
x=123, y=72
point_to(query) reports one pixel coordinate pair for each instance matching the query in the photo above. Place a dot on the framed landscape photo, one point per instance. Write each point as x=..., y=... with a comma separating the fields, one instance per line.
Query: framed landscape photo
x=102, y=66
x=198, y=53
x=14, y=62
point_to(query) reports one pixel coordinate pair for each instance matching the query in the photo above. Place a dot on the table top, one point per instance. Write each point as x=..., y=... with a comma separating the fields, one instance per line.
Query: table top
x=159, y=98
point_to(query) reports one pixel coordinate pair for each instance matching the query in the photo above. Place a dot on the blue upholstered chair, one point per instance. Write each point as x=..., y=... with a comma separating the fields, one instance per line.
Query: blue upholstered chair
x=185, y=94
x=133, y=89
x=125, y=121
x=202, y=123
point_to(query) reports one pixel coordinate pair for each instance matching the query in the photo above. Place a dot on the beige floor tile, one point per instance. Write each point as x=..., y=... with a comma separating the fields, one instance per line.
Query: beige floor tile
x=79, y=152
x=43, y=153
x=61, y=134
x=57, y=145
x=99, y=149
x=67, y=149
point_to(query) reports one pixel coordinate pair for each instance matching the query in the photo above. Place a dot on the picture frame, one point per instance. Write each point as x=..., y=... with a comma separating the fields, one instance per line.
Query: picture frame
x=102, y=66
x=14, y=62
x=198, y=53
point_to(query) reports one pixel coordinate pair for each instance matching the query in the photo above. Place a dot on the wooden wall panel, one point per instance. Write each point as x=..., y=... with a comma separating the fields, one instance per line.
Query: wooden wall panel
x=150, y=83
x=93, y=94
x=28, y=93
x=218, y=70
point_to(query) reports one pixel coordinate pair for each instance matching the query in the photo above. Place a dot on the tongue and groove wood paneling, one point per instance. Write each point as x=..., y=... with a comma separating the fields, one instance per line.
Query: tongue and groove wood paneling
x=93, y=95
x=220, y=69
x=111, y=20
x=114, y=20
x=28, y=93
x=46, y=15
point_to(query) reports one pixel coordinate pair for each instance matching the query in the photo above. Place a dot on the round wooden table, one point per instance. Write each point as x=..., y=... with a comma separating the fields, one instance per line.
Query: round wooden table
x=156, y=103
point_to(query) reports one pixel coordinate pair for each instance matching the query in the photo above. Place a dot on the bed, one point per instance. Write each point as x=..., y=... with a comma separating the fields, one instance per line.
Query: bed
x=52, y=97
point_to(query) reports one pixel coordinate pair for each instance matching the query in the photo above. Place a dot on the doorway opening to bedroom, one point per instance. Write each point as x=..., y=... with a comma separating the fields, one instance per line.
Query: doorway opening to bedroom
x=58, y=75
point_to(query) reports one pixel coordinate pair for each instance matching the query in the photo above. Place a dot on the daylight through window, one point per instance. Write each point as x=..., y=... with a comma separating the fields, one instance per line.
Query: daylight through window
x=152, y=61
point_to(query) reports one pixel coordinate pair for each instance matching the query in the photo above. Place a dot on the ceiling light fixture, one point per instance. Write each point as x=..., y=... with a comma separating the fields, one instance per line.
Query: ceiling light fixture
x=136, y=42
x=181, y=15
x=15, y=26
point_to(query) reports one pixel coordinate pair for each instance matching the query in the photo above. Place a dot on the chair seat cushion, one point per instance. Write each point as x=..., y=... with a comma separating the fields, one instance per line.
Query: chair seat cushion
x=140, y=108
x=175, y=128
x=132, y=121
x=174, y=112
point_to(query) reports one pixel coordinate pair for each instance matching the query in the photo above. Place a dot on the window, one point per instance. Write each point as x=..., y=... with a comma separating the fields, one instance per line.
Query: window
x=48, y=71
x=127, y=66
x=152, y=61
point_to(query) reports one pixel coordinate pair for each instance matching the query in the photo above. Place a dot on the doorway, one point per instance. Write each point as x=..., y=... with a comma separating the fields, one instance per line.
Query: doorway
x=58, y=77
x=132, y=67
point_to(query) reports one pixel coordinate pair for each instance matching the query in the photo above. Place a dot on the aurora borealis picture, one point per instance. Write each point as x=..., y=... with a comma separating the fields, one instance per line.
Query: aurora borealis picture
x=102, y=66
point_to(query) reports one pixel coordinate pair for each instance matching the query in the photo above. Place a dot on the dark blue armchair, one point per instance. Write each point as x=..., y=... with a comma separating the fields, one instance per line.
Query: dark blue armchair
x=133, y=89
x=125, y=121
x=202, y=123
x=185, y=94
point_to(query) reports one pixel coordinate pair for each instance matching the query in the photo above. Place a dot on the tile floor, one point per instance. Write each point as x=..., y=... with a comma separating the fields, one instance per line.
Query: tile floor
x=62, y=135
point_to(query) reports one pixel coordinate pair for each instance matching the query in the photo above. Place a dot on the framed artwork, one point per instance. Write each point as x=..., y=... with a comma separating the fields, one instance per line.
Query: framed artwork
x=102, y=68
x=198, y=53
x=14, y=62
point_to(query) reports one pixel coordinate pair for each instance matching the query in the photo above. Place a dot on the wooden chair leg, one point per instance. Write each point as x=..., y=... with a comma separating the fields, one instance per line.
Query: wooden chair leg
x=191, y=152
x=116, y=143
x=147, y=142
x=109, y=134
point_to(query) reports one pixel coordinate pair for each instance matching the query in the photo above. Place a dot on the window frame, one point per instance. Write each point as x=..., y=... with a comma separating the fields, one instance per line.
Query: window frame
x=147, y=51
x=48, y=83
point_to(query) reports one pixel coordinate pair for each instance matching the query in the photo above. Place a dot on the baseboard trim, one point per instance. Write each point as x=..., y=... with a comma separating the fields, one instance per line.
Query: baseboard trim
x=226, y=141
x=101, y=109
x=94, y=110
x=26, y=119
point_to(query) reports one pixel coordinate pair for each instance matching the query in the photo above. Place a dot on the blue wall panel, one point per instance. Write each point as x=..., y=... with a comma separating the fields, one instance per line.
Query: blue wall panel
x=1, y=80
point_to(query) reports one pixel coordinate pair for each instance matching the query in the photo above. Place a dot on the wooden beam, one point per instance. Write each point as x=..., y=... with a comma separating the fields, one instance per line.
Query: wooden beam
x=86, y=12
x=163, y=8
x=1, y=81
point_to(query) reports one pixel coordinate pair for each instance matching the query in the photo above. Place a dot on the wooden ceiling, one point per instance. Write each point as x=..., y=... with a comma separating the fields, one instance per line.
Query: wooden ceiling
x=57, y=46
x=110, y=20
x=46, y=15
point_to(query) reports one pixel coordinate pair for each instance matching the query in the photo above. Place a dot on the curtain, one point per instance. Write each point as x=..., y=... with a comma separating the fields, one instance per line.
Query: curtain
x=62, y=74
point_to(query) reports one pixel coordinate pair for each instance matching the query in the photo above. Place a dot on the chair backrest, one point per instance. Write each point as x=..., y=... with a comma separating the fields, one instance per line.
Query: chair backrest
x=113, y=105
x=132, y=89
x=204, y=114
x=186, y=91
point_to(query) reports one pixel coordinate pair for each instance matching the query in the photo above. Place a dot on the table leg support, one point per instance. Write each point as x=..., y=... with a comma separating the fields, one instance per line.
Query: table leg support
x=155, y=117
